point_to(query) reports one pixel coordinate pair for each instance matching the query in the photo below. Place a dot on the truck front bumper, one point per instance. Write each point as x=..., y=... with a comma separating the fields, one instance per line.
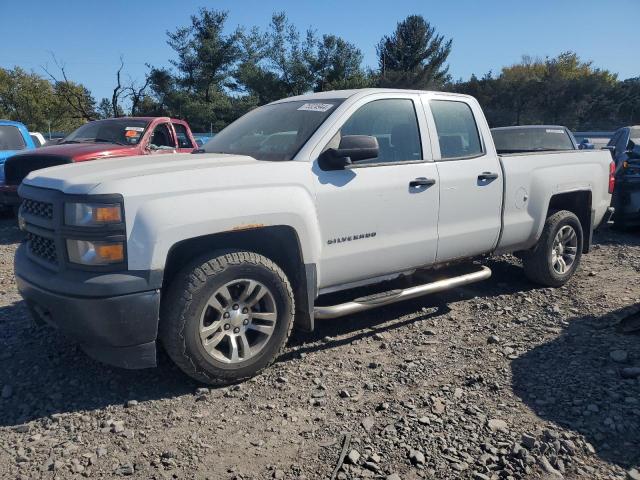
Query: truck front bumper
x=111, y=325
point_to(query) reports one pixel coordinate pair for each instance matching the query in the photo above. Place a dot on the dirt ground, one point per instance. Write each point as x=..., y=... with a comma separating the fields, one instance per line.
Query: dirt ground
x=498, y=380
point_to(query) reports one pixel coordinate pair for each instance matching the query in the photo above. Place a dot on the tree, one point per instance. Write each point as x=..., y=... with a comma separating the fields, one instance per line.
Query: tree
x=26, y=97
x=35, y=101
x=254, y=76
x=206, y=56
x=561, y=90
x=413, y=56
x=572, y=88
x=628, y=99
x=338, y=65
x=282, y=62
x=77, y=97
x=520, y=86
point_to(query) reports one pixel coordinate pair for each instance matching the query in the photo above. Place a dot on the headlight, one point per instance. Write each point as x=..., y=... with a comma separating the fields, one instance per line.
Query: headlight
x=92, y=214
x=87, y=252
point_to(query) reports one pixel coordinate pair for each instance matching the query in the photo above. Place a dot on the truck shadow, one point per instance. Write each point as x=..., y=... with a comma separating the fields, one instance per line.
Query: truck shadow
x=507, y=278
x=572, y=381
x=611, y=236
x=9, y=231
x=48, y=374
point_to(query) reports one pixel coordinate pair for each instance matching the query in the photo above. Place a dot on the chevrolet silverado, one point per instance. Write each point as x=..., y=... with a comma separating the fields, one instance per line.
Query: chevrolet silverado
x=217, y=256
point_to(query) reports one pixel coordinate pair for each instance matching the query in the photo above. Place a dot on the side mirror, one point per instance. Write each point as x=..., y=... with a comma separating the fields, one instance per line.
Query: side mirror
x=352, y=148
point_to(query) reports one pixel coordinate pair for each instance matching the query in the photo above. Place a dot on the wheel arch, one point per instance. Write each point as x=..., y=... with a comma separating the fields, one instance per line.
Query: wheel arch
x=578, y=202
x=280, y=243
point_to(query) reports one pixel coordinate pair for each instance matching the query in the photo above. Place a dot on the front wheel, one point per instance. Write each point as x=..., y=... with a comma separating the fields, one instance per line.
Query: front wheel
x=556, y=256
x=227, y=316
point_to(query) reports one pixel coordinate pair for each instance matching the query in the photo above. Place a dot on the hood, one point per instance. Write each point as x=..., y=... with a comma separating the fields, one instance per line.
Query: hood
x=85, y=177
x=85, y=151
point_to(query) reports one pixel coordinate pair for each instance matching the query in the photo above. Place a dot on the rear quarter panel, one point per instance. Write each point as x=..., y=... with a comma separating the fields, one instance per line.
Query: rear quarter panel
x=532, y=179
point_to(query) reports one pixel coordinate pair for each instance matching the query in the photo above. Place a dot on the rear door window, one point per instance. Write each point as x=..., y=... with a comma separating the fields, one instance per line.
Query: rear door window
x=457, y=130
x=161, y=136
x=11, y=138
x=183, y=136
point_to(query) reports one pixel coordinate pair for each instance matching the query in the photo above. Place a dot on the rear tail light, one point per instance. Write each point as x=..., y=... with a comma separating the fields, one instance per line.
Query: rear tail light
x=612, y=176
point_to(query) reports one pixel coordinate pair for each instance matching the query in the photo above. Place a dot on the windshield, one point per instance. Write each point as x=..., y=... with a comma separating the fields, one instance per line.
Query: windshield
x=273, y=132
x=531, y=139
x=11, y=138
x=121, y=131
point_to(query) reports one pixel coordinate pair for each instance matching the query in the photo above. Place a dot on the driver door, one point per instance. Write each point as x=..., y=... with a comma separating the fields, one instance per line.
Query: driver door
x=379, y=216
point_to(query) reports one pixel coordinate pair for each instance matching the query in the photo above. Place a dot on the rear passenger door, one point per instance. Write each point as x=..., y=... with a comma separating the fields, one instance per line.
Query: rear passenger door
x=470, y=177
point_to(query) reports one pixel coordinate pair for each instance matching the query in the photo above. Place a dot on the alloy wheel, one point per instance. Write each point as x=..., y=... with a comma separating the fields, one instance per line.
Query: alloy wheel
x=564, y=250
x=238, y=321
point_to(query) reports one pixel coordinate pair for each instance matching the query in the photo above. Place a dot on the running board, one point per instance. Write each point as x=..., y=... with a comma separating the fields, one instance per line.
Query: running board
x=393, y=296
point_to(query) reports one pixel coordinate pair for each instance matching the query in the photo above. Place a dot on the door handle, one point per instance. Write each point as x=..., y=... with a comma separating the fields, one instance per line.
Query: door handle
x=422, y=182
x=487, y=176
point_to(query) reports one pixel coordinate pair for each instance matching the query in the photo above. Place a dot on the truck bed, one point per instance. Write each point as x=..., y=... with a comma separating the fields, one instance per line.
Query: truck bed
x=527, y=189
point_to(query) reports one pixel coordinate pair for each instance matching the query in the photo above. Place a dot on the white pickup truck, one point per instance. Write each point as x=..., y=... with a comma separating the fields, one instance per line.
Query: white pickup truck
x=219, y=254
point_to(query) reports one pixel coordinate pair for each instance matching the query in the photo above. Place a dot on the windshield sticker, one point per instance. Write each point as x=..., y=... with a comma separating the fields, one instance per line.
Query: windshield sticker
x=132, y=133
x=134, y=129
x=315, y=107
x=553, y=130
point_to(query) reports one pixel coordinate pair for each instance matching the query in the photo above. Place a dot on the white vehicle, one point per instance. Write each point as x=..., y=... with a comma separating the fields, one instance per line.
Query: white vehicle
x=219, y=254
x=38, y=139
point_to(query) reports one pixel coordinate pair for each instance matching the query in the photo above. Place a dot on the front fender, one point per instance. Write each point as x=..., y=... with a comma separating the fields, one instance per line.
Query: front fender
x=155, y=225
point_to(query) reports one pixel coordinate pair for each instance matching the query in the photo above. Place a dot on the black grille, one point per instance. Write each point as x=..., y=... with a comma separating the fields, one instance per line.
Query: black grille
x=41, y=247
x=19, y=166
x=38, y=209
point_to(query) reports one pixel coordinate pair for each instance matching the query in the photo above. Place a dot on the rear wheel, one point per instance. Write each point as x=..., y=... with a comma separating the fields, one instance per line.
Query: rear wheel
x=556, y=256
x=227, y=316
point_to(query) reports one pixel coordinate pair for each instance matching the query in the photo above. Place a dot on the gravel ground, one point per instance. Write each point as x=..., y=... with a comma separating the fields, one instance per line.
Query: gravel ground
x=499, y=380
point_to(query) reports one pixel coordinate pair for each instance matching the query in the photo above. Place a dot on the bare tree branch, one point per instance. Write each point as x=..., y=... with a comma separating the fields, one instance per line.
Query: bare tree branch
x=135, y=93
x=117, y=91
x=72, y=96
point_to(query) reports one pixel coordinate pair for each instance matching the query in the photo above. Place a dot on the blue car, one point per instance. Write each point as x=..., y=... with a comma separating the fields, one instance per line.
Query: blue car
x=14, y=137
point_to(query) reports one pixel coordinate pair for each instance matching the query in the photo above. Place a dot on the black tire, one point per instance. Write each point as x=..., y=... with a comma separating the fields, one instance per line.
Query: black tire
x=537, y=262
x=188, y=295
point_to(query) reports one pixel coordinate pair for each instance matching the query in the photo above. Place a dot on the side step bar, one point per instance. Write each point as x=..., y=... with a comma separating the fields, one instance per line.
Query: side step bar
x=393, y=296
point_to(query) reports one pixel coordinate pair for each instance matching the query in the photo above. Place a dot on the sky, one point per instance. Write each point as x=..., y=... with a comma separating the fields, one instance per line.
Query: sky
x=89, y=36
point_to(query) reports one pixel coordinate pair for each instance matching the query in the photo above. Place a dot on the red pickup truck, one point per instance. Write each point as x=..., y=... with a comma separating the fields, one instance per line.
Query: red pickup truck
x=110, y=138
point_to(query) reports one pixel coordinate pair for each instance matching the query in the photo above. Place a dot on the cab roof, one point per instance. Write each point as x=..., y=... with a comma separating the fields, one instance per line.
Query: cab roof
x=12, y=123
x=343, y=94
